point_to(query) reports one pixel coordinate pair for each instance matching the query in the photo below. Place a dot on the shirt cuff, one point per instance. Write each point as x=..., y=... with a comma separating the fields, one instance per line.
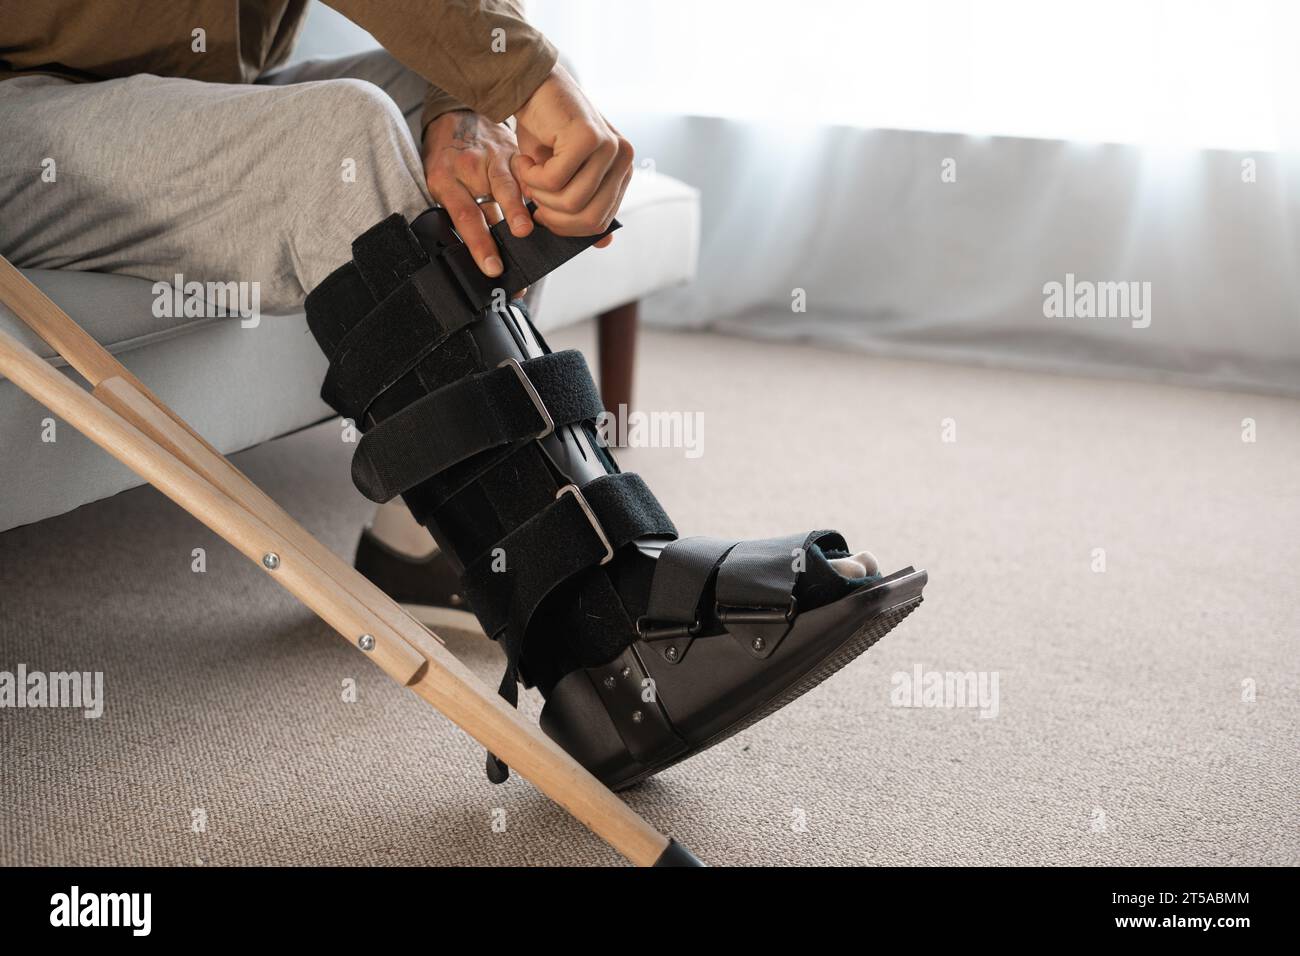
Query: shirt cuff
x=511, y=92
x=437, y=102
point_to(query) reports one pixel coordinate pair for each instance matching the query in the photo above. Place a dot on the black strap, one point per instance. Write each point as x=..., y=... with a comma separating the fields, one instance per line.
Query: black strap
x=761, y=574
x=333, y=306
x=505, y=405
x=579, y=529
x=386, y=253
x=526, y=260
x=599, y=600
x=423, y=301
x=392, y=338
x=681, y=575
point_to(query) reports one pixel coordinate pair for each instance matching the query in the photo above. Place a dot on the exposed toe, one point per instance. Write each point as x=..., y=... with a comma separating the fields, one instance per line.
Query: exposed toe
x=860, y=565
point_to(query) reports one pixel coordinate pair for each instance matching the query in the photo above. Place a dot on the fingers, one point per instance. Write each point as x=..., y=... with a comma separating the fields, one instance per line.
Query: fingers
x=472, y=227
x=572, y=161
x=531, y=152
x=583, y=155
x=596, y=216
x=576, y=193
x=466, y=156
x=506, y=192
x=588, y=204
x=570, y=149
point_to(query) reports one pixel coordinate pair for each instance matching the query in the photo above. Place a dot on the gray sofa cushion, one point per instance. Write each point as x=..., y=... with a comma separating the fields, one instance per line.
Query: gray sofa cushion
x=237, y=386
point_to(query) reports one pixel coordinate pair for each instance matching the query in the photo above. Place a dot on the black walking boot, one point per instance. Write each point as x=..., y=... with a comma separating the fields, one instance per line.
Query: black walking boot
x=648, y=648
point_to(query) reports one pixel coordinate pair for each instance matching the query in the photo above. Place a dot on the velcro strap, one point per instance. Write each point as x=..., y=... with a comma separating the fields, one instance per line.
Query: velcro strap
x=386, y=253
x=458, y=291
x=389, y=341
x=333, y=306
x=681, y=575
x=526, y=260
x=579, y=529
x=511, y=403
x=761, y=574
x=423, y=302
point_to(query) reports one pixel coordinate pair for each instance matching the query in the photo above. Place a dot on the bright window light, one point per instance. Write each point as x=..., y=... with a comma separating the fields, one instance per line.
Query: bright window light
x=1202, y=74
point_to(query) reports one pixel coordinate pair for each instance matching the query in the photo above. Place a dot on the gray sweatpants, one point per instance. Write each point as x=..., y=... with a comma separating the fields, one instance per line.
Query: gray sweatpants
x=152, y=176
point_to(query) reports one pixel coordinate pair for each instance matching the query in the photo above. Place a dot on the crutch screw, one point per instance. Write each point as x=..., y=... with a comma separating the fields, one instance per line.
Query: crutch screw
x=759, y=644
x=366, y=642
x=271, y=560
x=636, y=716
x=610, y=682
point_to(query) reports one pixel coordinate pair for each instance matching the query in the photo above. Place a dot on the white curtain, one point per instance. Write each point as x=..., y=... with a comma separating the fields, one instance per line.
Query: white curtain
x=921, y=171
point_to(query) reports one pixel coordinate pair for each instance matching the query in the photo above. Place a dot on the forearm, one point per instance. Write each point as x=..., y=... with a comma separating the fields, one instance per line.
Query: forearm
x=481, y=55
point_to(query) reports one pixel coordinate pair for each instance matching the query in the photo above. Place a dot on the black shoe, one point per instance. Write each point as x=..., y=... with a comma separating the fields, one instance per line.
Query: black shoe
x=426, y=584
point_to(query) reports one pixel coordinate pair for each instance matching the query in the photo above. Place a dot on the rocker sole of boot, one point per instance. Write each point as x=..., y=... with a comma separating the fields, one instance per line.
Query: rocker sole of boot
x=857, y=645
x=901, y=594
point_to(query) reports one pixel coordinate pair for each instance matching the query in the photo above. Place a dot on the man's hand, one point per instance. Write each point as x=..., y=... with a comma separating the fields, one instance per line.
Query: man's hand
x=468, y=156
x=571, y=161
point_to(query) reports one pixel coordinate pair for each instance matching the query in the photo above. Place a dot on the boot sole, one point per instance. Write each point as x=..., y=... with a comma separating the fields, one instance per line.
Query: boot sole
x=848, y=652
x=579, y=720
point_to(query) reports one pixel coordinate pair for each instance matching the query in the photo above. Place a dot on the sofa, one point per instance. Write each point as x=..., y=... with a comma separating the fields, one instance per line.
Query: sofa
x=241, y=386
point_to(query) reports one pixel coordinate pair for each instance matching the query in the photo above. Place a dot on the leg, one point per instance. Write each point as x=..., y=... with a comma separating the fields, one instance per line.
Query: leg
x=396, y=548
x=647, y=649
x=299, y=171
x=404, y=87
x=616, y=342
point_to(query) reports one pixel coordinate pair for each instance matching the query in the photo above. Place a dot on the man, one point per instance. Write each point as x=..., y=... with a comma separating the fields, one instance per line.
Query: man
x=181, y=148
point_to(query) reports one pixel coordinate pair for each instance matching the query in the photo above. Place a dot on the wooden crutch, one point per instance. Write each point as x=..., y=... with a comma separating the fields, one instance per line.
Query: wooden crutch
x=128, y=421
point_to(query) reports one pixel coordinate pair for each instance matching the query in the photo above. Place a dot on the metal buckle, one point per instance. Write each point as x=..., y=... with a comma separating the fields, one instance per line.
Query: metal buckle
x=649, y=632
x=591, y=516
x=526, y=382
x=755, y=615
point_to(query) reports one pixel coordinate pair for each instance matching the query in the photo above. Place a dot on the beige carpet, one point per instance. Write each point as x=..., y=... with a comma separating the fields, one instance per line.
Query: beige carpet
x=1121, y=735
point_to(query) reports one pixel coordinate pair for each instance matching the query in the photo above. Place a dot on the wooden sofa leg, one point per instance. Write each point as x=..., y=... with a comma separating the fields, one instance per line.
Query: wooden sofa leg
x=616, y=344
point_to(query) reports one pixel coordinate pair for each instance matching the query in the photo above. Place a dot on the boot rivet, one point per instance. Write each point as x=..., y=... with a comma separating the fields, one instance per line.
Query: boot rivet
x=671, y=654
x=636, y=716
x=758, y=644
x=366, y=642
x=271, y=560
x=610, y=682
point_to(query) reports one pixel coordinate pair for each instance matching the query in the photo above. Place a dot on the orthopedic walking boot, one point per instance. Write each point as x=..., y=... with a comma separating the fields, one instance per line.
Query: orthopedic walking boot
x=647, y=647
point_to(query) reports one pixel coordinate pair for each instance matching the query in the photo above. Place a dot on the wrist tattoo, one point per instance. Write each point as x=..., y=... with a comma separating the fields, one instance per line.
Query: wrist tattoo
x=465, y=135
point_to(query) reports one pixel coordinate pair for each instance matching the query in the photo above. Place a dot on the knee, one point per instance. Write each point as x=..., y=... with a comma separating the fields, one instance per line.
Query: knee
x=351, y=107
x=353, y=131
x=357, y=162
